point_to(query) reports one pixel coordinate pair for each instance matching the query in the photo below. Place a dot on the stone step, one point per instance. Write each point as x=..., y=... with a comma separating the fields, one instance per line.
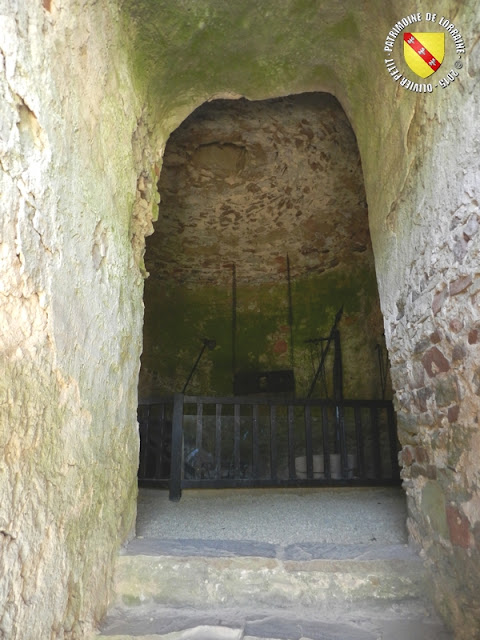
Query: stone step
x=230, y=590
x=402, y=620
x=207, y=574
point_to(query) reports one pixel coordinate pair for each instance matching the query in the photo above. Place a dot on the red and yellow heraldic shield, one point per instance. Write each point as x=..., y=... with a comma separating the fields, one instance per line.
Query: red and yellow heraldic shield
x=424, y=52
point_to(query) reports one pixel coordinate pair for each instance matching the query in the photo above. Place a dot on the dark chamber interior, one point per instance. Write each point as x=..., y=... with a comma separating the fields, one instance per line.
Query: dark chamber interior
x=264, y=352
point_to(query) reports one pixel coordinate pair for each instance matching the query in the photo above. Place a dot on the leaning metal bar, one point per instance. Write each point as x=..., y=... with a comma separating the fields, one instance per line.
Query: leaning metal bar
x=325, y=351
x=194, y=367
x=177, y=449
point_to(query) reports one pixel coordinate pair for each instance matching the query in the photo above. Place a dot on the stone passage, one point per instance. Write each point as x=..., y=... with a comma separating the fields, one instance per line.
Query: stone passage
x=340, y=579
x=201, y=589
x=89, y=94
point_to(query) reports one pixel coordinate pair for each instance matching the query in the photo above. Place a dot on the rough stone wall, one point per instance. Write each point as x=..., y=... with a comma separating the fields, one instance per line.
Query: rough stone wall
x=75, y=188
x=420, y=158
x=71, y=146
x=433, y=328
x=245, y=183
x=426, y=243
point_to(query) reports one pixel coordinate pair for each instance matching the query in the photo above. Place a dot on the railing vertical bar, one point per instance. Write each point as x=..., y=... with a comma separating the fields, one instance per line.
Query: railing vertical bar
x=308, y=441
x=236, y=445
x=291, y=442
x=218, y=441
x=359, y=442
x=273, y=443
x=199, y=440
x=377, y=458
x=392, y=433
x=160, y=445
x=326, y=443
x=342, y=441
x=144, y=421
x=175, y=489
x=255, y=452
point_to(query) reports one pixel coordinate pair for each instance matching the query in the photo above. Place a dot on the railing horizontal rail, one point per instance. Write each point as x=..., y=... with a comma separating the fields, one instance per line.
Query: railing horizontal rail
x=263, y=441
x=243, y=400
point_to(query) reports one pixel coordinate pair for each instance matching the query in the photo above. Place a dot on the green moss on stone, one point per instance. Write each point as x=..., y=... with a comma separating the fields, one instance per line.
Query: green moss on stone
x=433, y=507
x=184, y=51
x=345, y=29
x=177, y=318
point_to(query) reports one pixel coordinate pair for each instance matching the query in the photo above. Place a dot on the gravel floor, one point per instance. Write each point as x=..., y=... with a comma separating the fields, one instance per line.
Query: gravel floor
x=277, y=516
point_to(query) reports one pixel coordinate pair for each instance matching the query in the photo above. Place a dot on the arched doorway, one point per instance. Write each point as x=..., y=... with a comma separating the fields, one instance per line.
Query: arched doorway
x=262, y=284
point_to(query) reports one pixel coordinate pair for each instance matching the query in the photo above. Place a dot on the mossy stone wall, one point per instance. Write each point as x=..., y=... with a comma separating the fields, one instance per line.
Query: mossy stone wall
x=89, y=96
x=420, y=162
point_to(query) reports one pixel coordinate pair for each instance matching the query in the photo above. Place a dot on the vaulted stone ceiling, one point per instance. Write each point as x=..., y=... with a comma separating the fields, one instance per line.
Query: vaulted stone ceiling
x=248, y=182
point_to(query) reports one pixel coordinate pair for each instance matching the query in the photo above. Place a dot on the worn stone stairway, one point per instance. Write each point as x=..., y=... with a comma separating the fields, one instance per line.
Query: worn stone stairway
x=234, y=590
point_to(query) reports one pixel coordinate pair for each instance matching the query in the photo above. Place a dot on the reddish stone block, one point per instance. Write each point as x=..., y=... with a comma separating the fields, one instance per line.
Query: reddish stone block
x=459, y=528
x=423, y=471
x=476, y=534
x=473, y=336
x=280, y=346
x=435, y=362
x=453, y=413
x=421, y=454
x=456, y=325
x=438, y=301
x=407, y=456
x=459, y=285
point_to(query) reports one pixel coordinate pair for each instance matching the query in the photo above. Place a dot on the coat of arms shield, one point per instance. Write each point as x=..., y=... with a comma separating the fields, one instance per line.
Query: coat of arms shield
x=424, y=52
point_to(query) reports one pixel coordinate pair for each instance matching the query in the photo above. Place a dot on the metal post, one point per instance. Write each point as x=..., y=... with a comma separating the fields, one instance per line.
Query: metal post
x=177, y=449
x=340, y=439
x=290, y=321
x=234, y=325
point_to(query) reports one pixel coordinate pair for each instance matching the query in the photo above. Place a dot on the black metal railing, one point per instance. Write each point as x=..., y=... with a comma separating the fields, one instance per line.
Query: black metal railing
x=203, y=441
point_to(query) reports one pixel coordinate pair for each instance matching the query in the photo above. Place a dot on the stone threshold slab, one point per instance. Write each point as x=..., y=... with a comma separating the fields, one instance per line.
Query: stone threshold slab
x=244, y=548
x=407, y=620
x=324, y=574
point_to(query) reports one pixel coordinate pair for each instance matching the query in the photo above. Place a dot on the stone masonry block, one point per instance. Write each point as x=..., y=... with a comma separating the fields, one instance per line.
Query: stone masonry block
x=453, y=413
x=435, y=362
x=459, y=528
x=460, y=284
x=433, y=507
